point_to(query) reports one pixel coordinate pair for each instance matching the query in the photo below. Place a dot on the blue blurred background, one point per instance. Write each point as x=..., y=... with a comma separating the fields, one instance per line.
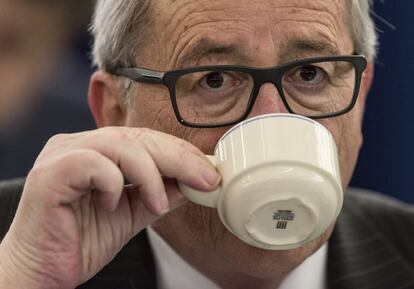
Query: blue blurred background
x=386, y=163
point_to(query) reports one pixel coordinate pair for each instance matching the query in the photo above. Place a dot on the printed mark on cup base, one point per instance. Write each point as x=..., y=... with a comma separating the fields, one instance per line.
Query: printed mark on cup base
x=283, y=217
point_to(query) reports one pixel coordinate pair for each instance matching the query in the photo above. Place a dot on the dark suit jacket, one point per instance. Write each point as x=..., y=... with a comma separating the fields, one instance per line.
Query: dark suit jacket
x=372, y=246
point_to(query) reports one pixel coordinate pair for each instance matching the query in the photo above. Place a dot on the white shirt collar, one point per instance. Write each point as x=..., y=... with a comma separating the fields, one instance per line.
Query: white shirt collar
x=173, y=272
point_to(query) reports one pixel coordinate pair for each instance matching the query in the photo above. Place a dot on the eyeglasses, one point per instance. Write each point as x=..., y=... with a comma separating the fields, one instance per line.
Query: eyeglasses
x=222, y=95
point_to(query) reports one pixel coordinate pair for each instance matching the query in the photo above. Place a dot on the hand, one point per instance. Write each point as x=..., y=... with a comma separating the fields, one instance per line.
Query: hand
x=76, y=214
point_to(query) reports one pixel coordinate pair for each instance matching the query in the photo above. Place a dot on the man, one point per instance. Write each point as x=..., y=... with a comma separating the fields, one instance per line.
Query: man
x=75, y=213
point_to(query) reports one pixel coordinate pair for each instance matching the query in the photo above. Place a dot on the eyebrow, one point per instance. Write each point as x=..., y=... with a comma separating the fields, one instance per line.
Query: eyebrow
x=207, y=47
x=296, y=46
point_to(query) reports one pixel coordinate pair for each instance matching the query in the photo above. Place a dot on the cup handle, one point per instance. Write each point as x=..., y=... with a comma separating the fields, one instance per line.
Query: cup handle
x=207, y=199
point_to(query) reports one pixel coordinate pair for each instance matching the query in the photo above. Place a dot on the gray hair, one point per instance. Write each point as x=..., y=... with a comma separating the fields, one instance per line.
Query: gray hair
x=363, y=32
x=120, y=26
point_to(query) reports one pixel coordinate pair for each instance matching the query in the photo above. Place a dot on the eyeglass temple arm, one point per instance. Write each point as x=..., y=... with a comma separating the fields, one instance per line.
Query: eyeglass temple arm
x=141, y=75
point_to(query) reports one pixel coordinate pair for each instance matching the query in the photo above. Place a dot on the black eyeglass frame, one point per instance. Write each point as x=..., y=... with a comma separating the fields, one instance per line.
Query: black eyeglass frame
x=260, y=76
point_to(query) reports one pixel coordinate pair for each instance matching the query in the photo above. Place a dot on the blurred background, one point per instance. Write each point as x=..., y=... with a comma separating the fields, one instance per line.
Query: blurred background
x=386, y=163
x=44, y=72
x=45, y=68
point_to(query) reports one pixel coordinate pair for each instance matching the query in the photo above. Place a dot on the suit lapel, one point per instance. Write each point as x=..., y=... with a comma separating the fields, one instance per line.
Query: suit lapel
x=360, y=256
x=132, y=268
x=10, y=193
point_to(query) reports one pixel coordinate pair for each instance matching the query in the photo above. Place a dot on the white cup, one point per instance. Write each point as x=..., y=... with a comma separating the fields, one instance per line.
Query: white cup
x=281, y=184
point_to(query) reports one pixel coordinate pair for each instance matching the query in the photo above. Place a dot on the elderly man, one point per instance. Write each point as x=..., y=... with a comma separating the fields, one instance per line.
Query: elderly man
x=76, y=215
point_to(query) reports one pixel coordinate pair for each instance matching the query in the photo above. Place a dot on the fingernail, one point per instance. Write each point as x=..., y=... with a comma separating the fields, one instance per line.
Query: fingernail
x=163, y=205
x=211, y=177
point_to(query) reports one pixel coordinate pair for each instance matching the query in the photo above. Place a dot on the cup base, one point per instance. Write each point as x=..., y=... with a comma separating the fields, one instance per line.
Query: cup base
x=282, y=223
x=280, y=205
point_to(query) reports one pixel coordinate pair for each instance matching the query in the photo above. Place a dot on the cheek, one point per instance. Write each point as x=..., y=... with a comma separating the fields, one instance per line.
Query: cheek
x=149, y=107
x=346, y=131
x=205, y=139
x=154, y=110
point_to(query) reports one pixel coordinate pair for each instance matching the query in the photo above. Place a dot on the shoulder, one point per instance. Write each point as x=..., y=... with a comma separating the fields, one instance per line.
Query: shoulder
x=10, y=193
x=381, y=207
x=391, y=218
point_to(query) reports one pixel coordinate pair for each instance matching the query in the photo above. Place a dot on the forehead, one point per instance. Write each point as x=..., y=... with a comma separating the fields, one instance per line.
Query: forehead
x=186, y=28
x=244, y=9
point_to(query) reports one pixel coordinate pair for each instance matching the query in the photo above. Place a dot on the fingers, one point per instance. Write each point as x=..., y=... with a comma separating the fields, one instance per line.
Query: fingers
x=173, y=157
x=98, y=159
x=145, y=156
x=140, y=169
x=182, y=161
x=74, y=174
x=143, y=217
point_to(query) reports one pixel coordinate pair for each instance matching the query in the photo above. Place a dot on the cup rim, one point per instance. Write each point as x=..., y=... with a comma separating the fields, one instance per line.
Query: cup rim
x=269, y=115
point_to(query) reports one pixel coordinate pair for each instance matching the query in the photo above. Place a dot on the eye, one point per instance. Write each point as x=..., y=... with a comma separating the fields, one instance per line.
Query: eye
x=216, y=80
x=308, y=74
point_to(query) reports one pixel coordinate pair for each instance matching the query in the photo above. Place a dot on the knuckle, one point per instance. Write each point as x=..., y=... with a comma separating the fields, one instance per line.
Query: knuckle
x=103, y=137
x=107, y=132
x=184, y=154
x=57, y=138
x=42, y=181
x=80, y=156
x=49, y=180
x=189, y=147
x=124, y=133
x=146, y=137
x=182, y=151
x=141, y=133
x=38, y=173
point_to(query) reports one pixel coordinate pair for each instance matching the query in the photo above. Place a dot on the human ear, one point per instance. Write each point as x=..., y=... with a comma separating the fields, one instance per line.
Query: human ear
x=105, y=100
x=366, y=82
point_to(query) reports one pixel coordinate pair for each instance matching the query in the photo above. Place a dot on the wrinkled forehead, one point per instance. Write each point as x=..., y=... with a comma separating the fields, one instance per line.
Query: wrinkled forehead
x=256, y=9
x=190, y=28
